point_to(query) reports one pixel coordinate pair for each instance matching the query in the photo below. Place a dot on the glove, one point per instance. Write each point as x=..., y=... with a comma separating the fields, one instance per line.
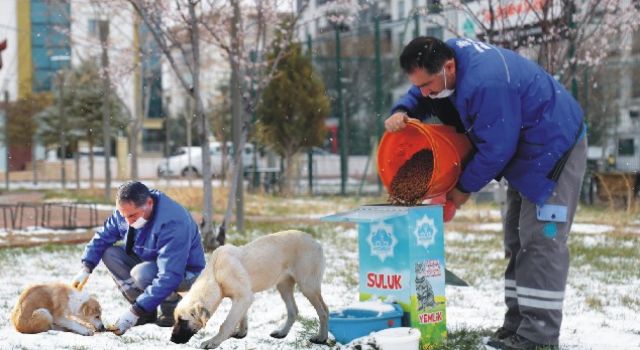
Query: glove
x=127, y=320
x=449, y=211
x=80, y=279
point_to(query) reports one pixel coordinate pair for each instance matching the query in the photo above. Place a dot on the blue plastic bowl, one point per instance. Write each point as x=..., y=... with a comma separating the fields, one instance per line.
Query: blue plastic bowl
x=349, y=324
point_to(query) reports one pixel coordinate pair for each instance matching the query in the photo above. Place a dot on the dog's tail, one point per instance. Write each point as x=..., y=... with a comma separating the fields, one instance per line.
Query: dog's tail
x=39, y=321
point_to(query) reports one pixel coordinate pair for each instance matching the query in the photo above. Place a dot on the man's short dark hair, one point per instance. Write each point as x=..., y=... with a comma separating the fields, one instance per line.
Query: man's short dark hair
x=425, y=52
x=133, y=191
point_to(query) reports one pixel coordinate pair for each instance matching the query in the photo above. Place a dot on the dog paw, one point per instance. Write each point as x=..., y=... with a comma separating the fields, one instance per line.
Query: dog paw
x=278, y=334
x=86, y=332
x=318, y=340
x=239, y=334
x=209, y=344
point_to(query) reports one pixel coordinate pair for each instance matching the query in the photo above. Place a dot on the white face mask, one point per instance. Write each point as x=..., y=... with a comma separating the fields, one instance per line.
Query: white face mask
x=445, y=92
x=138, y=224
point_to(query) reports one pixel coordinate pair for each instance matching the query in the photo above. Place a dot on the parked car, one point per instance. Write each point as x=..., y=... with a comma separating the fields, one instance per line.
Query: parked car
x=179, y=165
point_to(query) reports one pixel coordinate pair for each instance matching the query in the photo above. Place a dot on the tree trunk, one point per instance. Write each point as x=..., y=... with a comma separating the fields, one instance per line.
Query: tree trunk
x=62, y=135
x=76, y=159
x=289, y=171
x=224, y=162
x=136, y=118
x=91, y=164
x=203, y=131
x=189, y=141
x=236, y=193
x=106, y=125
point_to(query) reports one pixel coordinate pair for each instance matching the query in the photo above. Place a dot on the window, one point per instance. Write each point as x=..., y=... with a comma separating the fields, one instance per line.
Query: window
x=153, y=140
x=50, y=45
x=152, y=74
x=634, y=113
x=436, y=32
x=401, y=9
x=635, y=85
x=635, y=49
x=92, y=28
x=626, y=147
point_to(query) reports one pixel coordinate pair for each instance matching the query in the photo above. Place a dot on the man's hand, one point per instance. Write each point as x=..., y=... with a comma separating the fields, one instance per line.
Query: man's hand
x=127, y=320
x=80, y=279
x=396, y=122
x=458, y=197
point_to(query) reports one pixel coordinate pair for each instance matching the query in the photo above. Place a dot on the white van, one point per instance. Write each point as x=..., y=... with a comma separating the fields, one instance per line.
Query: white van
x=179, y=165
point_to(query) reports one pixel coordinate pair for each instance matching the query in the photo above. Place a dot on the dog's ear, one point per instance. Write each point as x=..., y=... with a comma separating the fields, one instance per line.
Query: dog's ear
x=202, y=313
x=90, y=307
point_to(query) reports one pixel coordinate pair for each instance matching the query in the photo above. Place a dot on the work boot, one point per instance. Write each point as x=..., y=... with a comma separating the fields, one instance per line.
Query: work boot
x=166, y=311
x=497, y=338
x=517, y=342
x=147, y=317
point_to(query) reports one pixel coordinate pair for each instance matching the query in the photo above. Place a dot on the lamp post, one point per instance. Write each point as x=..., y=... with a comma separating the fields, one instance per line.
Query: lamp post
x=6, y=139
x=338, y=18
x=63, y=120
x=63, y=130
x=344, y=167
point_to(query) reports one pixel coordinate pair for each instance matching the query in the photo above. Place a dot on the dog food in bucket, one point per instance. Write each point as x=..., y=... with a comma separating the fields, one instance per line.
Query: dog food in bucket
x=400, y=338
x=410, y=184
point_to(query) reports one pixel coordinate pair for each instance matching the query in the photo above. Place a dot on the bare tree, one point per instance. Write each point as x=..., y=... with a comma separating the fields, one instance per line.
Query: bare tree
x=244, y=33
x=570, y=39
x=106, y=125
x=178, y=28
x=564, y=36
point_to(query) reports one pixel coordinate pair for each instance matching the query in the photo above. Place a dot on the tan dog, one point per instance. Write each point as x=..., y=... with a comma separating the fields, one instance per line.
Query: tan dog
x=56, y=306
x=281, y=260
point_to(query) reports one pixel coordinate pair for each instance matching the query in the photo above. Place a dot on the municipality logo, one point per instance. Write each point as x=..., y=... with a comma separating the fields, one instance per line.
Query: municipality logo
x=382, y=241
x=425, y=231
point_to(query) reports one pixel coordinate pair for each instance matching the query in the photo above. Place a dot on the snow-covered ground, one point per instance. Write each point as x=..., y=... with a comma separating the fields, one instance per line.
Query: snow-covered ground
x=600, y=312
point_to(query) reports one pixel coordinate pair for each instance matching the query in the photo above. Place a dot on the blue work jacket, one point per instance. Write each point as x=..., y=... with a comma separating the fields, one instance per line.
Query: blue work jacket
x=520, y=119
x=171, y=238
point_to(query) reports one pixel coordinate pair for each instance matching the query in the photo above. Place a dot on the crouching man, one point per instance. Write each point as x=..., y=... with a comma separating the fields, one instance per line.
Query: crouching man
x=162, y=255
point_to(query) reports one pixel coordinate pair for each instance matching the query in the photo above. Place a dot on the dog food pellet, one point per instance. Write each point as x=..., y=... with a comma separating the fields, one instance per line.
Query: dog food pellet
x=410, y=184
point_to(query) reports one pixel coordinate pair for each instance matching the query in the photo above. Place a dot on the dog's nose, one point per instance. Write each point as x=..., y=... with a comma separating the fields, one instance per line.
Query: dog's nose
x=181, y=332
x=182, y=337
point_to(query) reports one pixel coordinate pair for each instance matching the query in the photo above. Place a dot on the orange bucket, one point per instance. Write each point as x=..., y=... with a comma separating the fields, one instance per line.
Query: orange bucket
x=449, y=149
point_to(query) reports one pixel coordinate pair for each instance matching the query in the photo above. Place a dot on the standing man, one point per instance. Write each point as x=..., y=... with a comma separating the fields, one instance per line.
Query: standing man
x=526, y=128
x=163, y=254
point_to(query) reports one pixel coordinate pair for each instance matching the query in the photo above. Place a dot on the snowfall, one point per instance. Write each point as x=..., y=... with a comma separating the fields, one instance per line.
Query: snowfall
x=479, y=306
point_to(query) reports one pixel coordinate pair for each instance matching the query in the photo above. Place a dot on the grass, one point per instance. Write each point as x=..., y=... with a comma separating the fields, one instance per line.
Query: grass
x=614, y=260
x=309, y=329
x=348, y=275
x=605, y=259
x=7, y=256
x=261, y=204
x=594, y=303
x=602, y=214
x=632, y=302
x=472, y=258
x=95, y=195
x=461, y=339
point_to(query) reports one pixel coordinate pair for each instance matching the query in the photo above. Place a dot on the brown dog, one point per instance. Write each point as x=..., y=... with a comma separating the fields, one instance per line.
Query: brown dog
x=56, y=306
